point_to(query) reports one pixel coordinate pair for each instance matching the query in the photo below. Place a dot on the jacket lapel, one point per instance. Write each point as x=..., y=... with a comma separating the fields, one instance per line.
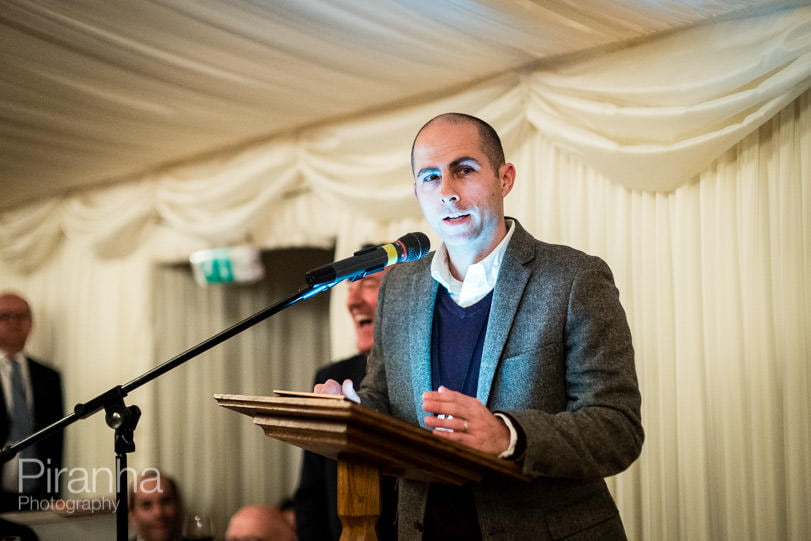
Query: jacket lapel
x=512, y=280
x=423, y=294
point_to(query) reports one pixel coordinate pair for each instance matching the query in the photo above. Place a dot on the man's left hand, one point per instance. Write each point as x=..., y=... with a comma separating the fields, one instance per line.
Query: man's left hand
x=464, y=419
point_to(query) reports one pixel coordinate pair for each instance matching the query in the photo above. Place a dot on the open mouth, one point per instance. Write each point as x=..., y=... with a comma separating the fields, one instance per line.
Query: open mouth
x=455, y=218
x=362, y=320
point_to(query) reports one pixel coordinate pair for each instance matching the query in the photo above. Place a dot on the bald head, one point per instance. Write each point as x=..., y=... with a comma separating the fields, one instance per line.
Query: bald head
x=488, y=138
x=15, y=323
x=259, y=523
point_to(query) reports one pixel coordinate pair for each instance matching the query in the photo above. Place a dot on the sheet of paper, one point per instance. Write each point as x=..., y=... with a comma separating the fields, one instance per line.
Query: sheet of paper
x=304, y=394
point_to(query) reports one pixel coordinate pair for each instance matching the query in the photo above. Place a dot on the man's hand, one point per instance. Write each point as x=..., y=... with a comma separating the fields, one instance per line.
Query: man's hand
x=466, y=420
x=333, y=387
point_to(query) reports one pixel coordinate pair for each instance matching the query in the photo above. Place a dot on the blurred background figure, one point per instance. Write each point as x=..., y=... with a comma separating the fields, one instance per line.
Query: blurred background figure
x=288, y=508
x=30, y=399
x=156, y=508
x=259, y=523
x=316, y=499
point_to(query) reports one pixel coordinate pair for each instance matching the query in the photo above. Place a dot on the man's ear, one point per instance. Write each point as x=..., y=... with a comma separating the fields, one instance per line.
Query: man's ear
x=506, y=175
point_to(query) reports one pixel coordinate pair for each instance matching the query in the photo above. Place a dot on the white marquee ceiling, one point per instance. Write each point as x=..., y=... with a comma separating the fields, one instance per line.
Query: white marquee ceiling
x=98, y=91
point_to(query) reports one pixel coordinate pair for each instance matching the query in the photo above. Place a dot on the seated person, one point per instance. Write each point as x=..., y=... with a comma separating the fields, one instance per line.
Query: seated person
x=259, y=523
x=156, y=508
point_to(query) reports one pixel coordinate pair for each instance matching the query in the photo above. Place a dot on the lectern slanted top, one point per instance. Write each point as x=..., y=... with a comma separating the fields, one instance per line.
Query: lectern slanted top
x=366, y=443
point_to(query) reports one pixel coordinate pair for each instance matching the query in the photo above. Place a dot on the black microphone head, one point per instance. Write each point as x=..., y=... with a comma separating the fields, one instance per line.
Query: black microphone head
x=415, y=246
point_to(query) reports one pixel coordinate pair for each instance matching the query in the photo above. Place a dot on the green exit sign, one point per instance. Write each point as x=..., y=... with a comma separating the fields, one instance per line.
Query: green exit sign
x=240, y=264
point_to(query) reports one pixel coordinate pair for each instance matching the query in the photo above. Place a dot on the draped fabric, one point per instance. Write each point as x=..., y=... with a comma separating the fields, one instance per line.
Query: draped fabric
x=231, y=461
x=650, y=118
x=94, y=91
x=685, y=166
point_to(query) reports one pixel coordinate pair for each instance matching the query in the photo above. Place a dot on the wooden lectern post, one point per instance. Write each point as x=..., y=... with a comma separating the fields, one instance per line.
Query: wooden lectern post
x=366, y=444
x=358, y=499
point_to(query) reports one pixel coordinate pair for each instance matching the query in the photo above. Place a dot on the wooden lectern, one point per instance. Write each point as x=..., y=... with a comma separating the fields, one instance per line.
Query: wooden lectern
x=366, y=444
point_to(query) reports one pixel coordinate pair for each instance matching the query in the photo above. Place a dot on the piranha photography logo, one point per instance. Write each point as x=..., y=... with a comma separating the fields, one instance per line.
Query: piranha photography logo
x=39, y=483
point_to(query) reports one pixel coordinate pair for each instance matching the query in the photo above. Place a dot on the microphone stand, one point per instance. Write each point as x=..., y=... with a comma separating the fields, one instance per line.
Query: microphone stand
x=123, y=419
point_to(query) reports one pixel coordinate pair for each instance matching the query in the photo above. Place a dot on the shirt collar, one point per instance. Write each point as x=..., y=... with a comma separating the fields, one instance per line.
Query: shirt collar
x=480, y=278
x=6, y=358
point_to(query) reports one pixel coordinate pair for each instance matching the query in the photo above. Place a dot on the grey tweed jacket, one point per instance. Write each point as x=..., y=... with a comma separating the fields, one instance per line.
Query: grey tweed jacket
x=557, y=358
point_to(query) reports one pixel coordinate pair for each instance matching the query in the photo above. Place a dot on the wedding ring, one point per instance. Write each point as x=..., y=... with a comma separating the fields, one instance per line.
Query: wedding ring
x=467, y=425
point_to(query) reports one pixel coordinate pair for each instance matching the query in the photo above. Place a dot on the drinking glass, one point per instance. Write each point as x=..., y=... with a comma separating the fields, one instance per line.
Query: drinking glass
x=199, y=527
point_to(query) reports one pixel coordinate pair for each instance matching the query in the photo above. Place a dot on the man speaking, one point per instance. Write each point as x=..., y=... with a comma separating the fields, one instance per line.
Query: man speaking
x=509, y=345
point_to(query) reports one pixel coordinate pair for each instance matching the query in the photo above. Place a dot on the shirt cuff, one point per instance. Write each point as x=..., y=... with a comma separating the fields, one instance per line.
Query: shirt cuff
x=510, y=451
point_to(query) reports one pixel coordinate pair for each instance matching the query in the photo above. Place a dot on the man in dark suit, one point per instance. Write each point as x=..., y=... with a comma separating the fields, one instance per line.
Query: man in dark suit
x=34, y=389
x=316, y=498
x=512, y=346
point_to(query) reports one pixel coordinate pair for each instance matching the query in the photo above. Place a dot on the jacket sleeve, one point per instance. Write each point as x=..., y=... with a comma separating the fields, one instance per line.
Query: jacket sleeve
x=598, y=431
x=373, y=390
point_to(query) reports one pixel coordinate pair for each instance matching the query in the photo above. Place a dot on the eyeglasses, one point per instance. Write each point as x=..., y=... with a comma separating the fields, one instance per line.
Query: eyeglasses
x=19, y=316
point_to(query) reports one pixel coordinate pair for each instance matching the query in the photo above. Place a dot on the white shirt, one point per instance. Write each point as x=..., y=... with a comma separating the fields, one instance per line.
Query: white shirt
x=5, y=376
x=10, y=468
x=480, y=278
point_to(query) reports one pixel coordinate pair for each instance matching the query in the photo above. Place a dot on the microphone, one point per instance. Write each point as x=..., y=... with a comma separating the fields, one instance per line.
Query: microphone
x=409, y=247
